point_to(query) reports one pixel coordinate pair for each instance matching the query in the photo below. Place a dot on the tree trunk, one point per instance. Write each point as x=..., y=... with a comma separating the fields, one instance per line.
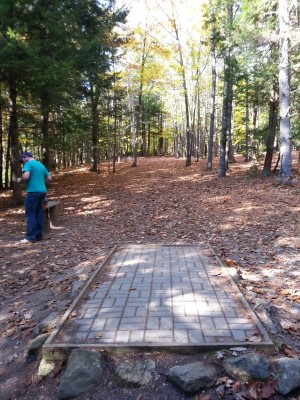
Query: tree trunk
x=1, y=146
x=273, y=111
x=95, y=129
x=160, y=146
x=227, y=101
x=212, y=99
x=230, y=152
x=253, y=140
x=176, y=148
x=133, y=129
x=188, y=162
x=14, y=144
x=223, y=141
x=247, y=120
x=160, y=137
x=149, y=139
x=284, y=94
x=7, y=179
x=45, y=130
x=95, y=141
x=115, y=135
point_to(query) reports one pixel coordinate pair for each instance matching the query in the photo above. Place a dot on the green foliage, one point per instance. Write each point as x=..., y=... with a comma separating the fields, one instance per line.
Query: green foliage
x=59, y=54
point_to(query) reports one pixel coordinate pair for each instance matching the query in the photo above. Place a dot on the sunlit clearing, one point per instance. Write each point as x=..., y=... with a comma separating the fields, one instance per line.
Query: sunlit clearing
x=189, y=177
x=227, y=226
x=92, y=198
x=89, y=212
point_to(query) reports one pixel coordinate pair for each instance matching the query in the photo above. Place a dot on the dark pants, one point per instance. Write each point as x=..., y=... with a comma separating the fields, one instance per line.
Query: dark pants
x=34, y=209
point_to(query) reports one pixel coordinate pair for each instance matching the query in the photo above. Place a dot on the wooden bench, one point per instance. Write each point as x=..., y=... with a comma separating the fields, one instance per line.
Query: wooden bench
x=51, y=215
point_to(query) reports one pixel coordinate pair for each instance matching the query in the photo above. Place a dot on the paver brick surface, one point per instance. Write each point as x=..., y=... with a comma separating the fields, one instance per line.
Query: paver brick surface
x=171, y=295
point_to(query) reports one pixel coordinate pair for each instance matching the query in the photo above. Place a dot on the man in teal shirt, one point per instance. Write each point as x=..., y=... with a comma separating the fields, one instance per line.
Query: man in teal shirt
x=35, y=175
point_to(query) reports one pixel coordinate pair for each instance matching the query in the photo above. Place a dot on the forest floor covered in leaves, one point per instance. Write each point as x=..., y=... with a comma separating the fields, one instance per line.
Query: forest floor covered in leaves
x=251, y=222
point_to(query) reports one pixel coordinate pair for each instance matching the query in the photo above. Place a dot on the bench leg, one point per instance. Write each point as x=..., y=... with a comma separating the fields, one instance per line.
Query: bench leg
x=54, y=216
x=46, y=224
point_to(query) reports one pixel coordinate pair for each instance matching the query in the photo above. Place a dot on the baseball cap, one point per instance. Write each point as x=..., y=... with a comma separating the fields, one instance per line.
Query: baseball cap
x=25, y=154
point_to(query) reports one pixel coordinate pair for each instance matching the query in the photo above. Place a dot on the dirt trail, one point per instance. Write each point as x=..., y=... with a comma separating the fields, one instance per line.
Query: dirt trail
x=252, y=224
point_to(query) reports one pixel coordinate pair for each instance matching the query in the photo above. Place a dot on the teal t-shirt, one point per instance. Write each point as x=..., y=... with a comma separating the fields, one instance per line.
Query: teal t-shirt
x=38, y=174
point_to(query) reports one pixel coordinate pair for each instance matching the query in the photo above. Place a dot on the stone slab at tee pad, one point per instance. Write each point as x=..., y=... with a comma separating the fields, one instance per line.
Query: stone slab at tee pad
x=166, y=297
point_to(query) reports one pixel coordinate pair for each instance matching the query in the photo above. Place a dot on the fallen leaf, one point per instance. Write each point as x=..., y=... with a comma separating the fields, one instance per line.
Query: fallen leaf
x=268, y=390
x=236, y=387
x=224, y=381
x=254, y=338
x=220, y=355
x=10, y=358
x=252, y=393
x=287, y=350
x=220, y=390
x=238, y=349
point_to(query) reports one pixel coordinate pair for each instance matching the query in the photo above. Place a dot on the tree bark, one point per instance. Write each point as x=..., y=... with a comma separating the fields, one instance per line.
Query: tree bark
x=212, y=99
x=134, y=130
x=7, y=180
x=14, y=144
x=176, y=148
x=224, y=133
x=45, y=130
x=188, y=162
x=273, y=111
x=253, y=140
x=95, y=130
x=227, y=96
x=285, y=173
x=247, y=120
x=1, y=146
x=230, y=152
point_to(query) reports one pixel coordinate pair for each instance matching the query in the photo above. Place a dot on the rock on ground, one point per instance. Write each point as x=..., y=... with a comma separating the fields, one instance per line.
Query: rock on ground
x=287, y=374
x=192, y=377
x=135, y=373
x=83, y=372
x=248, y=367
x=35, y=346
x=47, y=323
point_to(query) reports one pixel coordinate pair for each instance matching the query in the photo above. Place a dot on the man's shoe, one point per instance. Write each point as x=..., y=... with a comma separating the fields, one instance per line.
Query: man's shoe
x=26, y=241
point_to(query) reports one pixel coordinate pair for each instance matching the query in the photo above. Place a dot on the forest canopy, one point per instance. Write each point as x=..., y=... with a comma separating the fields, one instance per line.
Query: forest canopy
x=82, y=82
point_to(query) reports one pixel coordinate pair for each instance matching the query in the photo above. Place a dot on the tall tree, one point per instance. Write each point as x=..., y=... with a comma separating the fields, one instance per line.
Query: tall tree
x=213, y=90
x=185, y=91
x=273, y=112
x=13, y=57
x=284, y=92
x=227, y=93
x=95, y=56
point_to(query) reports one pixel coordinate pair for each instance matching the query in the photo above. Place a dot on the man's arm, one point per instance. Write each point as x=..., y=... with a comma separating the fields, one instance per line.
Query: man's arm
x=48, y=178
x=25, y=177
